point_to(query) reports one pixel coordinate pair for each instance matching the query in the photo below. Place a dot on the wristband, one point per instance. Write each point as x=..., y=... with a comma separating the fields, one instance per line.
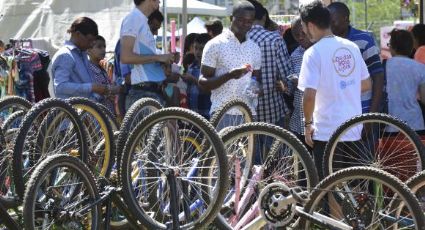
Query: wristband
x=308, y=123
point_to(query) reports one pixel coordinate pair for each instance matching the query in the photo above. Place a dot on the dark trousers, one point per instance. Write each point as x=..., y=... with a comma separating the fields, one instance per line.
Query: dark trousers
x=318, y=152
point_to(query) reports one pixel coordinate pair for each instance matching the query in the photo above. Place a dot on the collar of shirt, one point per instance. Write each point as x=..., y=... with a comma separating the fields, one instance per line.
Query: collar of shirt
x=257, y=27
x=140, y=14
x=71, y=46
x=231, y=37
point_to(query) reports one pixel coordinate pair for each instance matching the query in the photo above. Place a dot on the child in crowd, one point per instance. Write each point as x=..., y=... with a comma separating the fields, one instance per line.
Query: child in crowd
x=171, y=91
x=96, y=54
x=199, y=100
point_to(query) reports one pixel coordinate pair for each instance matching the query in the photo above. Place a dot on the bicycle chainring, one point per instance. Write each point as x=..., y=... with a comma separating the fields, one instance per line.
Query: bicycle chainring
x=275, y=205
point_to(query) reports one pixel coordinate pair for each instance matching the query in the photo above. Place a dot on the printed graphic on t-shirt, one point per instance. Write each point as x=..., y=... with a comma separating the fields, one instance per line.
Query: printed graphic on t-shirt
x=343, y=61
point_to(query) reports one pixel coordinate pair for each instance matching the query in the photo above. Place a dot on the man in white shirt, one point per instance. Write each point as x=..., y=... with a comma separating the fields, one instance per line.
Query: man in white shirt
x=138, y=48
x=333, y=75
x=228, y=58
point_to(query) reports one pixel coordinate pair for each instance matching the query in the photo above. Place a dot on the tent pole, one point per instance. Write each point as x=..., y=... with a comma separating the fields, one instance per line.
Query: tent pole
x=184, y=23
x=164, y=27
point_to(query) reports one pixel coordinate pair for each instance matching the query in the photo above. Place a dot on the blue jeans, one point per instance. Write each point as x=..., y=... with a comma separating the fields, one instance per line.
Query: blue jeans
x=134, y=95
x=229, y=120
x=263, y=145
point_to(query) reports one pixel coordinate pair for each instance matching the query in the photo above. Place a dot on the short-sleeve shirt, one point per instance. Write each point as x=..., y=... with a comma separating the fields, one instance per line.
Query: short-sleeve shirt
x=404, y=76
x=334, y=68
x=225, y=53
x=276, y=65
x=135, y=24
x=370, y=54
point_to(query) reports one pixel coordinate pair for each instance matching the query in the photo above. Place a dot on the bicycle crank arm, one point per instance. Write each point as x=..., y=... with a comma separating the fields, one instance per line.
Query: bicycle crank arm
x=322, y=220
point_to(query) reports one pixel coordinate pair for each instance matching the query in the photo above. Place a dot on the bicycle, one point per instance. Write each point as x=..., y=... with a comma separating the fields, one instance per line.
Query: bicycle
x=364, y=198
x=165, y=182
x=284, y=159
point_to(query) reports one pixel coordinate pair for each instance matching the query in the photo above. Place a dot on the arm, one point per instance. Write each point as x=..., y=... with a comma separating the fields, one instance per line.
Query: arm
x=129, y=57
x=208, y=82
x=284, y=65
x=377, y=87
x=308, y=108
x=366, y=85
x=62, y=70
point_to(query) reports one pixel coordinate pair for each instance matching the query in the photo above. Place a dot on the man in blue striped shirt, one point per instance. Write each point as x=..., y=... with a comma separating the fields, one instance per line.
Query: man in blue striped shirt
x=340, y=25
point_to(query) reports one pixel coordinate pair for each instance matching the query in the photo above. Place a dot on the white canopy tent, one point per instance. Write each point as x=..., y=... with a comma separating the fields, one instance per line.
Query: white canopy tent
x=194, y=26
x=51, y=18
x=194, y=7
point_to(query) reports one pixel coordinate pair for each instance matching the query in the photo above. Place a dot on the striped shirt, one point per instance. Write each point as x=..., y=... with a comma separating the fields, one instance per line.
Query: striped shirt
x=370, y=53
x=275, y=65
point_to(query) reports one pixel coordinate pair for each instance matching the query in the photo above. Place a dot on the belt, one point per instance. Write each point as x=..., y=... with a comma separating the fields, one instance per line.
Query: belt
x=148, y=86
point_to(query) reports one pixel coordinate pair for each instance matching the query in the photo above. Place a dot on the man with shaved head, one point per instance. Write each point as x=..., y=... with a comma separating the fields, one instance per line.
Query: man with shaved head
x=230, y=59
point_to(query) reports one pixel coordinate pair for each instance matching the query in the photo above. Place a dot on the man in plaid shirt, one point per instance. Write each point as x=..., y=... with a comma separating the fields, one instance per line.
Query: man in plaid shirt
x=275, y=67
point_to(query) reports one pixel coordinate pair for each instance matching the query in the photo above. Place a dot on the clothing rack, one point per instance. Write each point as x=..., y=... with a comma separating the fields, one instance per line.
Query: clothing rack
x=21, y=43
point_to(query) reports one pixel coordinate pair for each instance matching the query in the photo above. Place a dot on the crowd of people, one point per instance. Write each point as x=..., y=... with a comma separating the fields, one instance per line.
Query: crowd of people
x=328, y=74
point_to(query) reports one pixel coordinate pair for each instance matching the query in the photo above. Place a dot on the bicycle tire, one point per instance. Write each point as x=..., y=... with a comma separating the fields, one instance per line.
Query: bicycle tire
x=416, y=184
x=48, y=165
x=411, y=136
x=360, y=173
x=281, y=136
x=200, y=123
x=134, y=114
x=111, y=117
x=2, y=141
x=2, y=162
x=19, y=103
x=11, y=121
x=107, y=142
x=232, y=104
x=40, y=108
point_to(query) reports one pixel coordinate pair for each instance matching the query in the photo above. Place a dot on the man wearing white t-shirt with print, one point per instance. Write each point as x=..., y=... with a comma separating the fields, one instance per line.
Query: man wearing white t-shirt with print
x=138, y=48
x=333, y=75
x=228, y=58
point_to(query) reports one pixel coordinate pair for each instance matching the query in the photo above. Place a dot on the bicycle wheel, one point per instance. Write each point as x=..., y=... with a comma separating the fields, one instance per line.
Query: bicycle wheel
x=232, y=107
x=156, y=155
x=363, y=198
x=286, y=161
x=377, y=140
x=62, y=194
x=11, y=104
x=51, y=126
x=100, y=133
x=135, y=114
